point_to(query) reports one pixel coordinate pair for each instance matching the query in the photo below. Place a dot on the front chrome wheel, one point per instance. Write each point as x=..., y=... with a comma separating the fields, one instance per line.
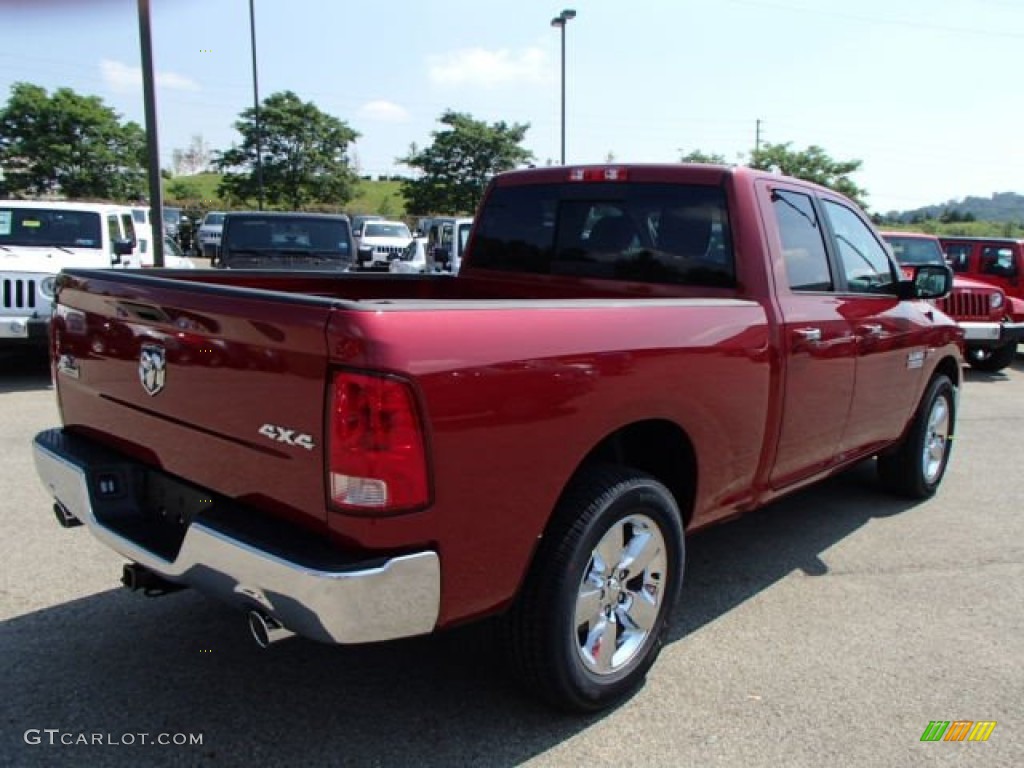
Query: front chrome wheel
x=620, y=594
x=936, y=440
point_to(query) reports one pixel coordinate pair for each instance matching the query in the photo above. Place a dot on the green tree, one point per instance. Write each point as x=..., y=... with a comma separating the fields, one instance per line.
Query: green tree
x=697, y=156
x=811, y=164
x=184, y=189
x=70, y=144
x=305, y=155
x=460, y=161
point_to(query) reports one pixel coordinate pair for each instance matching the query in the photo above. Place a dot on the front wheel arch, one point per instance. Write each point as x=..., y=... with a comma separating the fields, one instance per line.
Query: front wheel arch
x=915, y=466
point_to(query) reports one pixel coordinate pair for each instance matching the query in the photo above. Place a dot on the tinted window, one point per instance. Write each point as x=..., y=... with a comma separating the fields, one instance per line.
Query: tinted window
x=864, y=261
x=998, y=260
x=213, y=219
x=172, y=248
x=322, y=236
x=47, y=226
x=958, y=255
x=463, y=236
x=803, y=244
x=662, y=233
x=113, y=230
x=128, y=227
x=915, y=250
x=375, y=229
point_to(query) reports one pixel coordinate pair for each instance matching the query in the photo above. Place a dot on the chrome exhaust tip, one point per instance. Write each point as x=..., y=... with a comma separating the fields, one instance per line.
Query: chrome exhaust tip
x=267, y=630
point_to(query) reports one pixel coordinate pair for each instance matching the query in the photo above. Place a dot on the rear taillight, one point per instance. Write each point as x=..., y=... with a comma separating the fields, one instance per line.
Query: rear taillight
x=377, y=453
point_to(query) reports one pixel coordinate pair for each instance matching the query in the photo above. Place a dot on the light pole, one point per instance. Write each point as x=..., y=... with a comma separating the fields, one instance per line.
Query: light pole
x=560, y=21
x=156, y=195
x=256, y=105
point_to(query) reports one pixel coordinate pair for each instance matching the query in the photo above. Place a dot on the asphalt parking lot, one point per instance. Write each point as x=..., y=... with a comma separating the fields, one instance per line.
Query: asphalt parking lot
x=827, y=630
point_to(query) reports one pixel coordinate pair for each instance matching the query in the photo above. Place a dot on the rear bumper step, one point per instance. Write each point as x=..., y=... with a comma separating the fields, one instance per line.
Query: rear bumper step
x=350, y=602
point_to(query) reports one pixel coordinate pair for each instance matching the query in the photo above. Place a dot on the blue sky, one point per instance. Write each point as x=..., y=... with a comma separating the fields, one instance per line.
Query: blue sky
x=925, y=92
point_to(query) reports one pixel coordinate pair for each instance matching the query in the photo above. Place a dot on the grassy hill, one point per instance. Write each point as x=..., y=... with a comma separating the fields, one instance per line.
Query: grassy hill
x=200, y=191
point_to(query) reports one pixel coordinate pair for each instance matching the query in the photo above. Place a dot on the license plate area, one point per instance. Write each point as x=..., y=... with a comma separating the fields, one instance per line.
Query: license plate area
x=146, y=506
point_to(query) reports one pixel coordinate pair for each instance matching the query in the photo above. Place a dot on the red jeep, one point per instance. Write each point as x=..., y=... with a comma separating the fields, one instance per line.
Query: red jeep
x=992, y=321
x=995, y=260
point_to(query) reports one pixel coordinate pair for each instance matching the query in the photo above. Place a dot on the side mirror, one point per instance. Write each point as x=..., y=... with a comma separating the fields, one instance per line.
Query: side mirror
x=123, y=247
x=441, y=255
x=927, y=281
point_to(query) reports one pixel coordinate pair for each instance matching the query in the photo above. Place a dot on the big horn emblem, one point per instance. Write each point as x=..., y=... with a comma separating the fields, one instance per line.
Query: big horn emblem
x=152, y=368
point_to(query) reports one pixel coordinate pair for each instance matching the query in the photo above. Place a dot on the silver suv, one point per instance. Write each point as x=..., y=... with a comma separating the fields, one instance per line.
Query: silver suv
x=209, y=234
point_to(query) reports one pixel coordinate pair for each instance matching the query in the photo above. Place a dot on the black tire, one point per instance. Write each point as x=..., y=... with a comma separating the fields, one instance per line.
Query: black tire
x=549, y=644
x=991, y=359
x=915, y=467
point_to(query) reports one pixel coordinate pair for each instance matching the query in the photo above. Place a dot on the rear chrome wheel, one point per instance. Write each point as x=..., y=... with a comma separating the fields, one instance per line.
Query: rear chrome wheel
x=620, y=595
x=591, y=617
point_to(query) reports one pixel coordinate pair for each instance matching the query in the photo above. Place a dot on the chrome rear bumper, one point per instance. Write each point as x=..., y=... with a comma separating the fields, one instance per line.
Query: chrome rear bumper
x=355, y=602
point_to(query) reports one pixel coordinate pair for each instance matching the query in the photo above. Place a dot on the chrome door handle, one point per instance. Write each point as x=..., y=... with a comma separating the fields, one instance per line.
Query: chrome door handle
x=873, y=330
x=808, y=334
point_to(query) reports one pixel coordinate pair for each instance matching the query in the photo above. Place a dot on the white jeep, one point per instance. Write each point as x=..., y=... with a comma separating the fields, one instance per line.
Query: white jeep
x=40, y=238
x=381, y=242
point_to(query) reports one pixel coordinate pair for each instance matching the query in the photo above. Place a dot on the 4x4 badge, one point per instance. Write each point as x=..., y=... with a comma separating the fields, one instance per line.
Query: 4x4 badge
x=152, y=368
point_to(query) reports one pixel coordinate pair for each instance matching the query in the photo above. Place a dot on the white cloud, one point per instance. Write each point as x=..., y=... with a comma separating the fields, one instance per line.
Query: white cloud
x=476, y=66
x=121, y=78
x=383, y=112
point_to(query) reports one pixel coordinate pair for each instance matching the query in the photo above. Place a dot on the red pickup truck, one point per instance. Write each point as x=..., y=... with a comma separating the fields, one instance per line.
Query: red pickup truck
x=628, y=354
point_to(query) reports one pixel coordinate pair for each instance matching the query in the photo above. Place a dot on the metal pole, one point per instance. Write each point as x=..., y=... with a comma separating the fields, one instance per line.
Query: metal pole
x=560, y=21
x=563, y=91
x=256, y=104
x=156, y=195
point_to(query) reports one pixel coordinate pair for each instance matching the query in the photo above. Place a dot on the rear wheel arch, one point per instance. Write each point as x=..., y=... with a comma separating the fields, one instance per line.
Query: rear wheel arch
x=656, y=447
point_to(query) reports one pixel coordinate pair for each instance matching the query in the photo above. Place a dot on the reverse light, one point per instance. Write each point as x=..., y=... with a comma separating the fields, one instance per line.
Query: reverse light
x=377, y=450
x=996, y=300
x=597, y=174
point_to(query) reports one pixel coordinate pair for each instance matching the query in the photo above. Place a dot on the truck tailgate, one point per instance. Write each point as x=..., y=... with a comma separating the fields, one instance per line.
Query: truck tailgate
x=220, y=385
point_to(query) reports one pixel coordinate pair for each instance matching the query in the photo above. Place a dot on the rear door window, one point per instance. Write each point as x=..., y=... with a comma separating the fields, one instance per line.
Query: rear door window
x=802, y=240
x=642, y=232
x=998, y=260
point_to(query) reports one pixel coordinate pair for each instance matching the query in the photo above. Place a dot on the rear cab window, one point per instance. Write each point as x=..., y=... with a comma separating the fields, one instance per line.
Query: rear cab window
x=278, y=234
x=640, y=232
